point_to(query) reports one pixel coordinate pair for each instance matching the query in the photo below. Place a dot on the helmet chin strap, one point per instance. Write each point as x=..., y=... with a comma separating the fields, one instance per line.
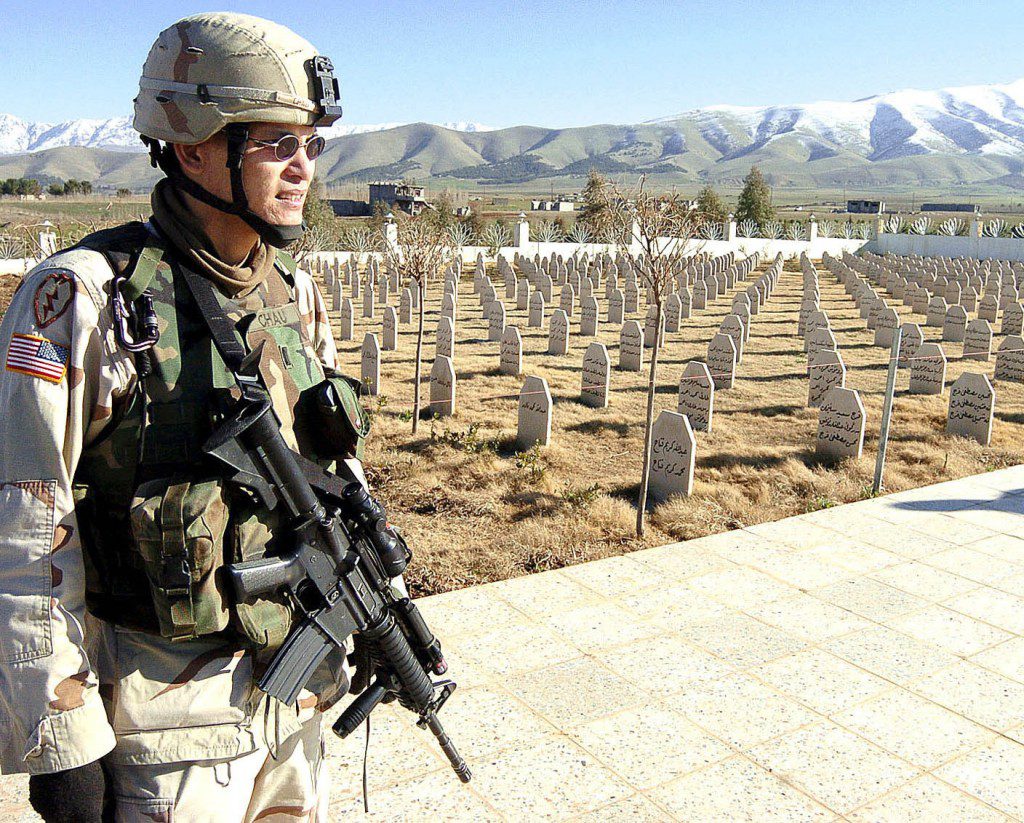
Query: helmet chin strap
x=237, y=134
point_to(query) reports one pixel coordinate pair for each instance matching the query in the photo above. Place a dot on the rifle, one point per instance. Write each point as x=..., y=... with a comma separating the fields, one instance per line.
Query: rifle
x=339, y=573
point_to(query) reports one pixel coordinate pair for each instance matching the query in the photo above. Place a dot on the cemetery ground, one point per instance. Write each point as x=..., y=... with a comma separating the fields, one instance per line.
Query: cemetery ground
x=476, y=510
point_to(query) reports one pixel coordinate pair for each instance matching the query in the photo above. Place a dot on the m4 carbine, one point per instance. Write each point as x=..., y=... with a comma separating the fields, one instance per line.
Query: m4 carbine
x=338, y=575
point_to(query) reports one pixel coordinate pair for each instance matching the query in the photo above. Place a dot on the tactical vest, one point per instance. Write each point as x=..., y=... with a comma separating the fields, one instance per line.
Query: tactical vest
x=158, y=520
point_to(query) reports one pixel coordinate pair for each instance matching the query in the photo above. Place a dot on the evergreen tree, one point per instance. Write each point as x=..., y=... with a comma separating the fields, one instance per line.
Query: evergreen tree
x=596, y=211
x=755, y=202
x=710, y=207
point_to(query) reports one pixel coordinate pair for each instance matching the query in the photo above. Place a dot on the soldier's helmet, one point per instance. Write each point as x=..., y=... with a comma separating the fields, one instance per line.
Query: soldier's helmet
x=210, y=70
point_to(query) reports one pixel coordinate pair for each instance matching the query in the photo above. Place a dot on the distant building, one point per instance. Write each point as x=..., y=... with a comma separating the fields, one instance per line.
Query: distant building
x=350, y=208
x=865, y=206
x=970, y=208
x=409, y=198
x=561, y=204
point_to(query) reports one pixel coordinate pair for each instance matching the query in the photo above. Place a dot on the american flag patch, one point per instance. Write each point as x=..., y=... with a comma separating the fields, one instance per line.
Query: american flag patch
x=37, y=356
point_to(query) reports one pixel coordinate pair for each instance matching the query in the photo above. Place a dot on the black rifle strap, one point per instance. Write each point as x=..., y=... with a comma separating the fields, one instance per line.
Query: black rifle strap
x=230, y=348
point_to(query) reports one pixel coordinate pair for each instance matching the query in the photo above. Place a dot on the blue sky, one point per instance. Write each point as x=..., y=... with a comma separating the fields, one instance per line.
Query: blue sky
x=544, y=63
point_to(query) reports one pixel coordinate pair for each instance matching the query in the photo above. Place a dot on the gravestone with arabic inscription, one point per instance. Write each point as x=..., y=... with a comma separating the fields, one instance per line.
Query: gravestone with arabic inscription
x=445, y=337
x=972, y=402
x=534, y=414
x=442, y=387
x=928, y=370
x=390, y=334
x=721, y=360
x=370, y=364
x=558, y=333
x=536, y=318
x=631, y=346
x=954, y=327
x=673, y=453
x=840, y=424
x=696, y=397
x=511, y=356
x=978, y=340
x=826, y=371
x=588, y=316
x=347, y=320
x=1010, y=359
x=596, y=376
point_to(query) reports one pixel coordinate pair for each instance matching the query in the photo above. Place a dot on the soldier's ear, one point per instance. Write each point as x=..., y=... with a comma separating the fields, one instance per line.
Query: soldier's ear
x=199, y=160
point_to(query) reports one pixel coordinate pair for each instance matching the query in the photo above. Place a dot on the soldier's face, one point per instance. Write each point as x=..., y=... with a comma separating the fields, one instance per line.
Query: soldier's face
x=277, y=189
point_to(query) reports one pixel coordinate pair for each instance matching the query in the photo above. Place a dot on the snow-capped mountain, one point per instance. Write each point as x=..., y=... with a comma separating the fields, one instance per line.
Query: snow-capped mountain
x=18, y=136
x=982, y=120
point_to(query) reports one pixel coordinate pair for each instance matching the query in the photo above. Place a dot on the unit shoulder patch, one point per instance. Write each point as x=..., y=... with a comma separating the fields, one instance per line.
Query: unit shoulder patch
x=37, y=357
x=53, y=296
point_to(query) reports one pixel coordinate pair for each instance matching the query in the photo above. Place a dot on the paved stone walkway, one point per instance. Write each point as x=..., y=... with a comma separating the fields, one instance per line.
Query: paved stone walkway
x=864, y=662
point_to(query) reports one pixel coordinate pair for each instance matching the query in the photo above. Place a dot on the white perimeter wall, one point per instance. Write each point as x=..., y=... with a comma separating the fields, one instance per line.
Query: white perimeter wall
x=937, y=245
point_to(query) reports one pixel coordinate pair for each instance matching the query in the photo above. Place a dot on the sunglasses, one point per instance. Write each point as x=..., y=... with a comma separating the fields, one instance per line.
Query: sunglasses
x=286, y=146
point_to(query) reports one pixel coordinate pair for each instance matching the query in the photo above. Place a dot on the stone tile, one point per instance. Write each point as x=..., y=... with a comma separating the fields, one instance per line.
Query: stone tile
x=740, y=710
x=436, y=797
x=924, y=581
x=615, y=576
x=740, y=588
x=835, y=767
x=737, y=789
x=801, y=571
x=542, y=595
x=1014, y=584
x=808, y=618
x=740, y=640
x=870, y=599
x=993, y=774
x=1007, y=659
x=673, y=607
x=997, y=519
x=913, y=728
x=635, y=809
x=679, y=561
x=854, y=556
x=796, y=532
x=820, y=680
x=514, y=647
x=722, y=542
x=926, y=799
x=488, y=719
x=574, y=692
x=991, y=606
x=554, y=780
x=649, y=745
x=593, y=628
x=914, y=545
x=890, y=654
x=666, y=664
x=466, y=611
x=950, y=630
x=873, y=531
x=974, y=565
x=976, y=693
x=1003, y=547
x=1009, y=481
x=950, y=529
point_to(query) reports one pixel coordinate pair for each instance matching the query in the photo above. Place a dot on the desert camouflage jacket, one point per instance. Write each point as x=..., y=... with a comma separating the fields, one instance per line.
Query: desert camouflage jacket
x=73, y=688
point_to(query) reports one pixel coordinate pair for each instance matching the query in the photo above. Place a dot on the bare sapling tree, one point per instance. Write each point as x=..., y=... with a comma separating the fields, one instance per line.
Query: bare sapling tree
x=420, y=248
x=656, y=232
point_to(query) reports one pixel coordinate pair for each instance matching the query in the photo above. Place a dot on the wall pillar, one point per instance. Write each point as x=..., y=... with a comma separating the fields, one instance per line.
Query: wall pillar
x=812, y=229
x=521, y=232
x=730, y=228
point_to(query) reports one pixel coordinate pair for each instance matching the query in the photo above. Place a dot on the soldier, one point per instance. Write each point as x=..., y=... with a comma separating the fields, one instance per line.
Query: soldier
x=126, y=666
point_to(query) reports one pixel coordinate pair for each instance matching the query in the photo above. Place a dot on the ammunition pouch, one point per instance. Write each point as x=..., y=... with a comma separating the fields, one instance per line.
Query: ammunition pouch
x=342, y=424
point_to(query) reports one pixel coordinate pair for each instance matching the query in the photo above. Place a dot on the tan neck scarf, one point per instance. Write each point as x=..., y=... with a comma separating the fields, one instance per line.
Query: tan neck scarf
x=183, y=230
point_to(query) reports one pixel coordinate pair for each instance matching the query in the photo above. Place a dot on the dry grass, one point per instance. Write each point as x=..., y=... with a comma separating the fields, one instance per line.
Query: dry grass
x=474, y=512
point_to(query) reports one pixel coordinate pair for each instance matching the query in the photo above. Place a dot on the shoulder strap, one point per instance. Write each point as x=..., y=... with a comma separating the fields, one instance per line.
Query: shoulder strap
x=132, y=250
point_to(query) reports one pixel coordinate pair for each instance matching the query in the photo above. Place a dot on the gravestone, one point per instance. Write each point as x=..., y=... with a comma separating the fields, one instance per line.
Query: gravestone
x=685, y=304
x=596, y=376
x=631, y=346
x=922, y=302
x=546, y=287
x=742, y=311
x=815, y=320
x=368, y=302
x=1010, y=359
x=840, y=424
x=820, y=340
x=827, y=371
x=972, y=402
x=654, y=328
x=522, y=293
x=885, y=327
x=807, y=306
x=1013, y=319
x=347, y=319
x=928, y=370
x=954, y=327
x=616, y=307
x=937, y=312
x=910, y=342
x=534, y=414
x=567, y=302
x=536, y=318
x=445, y=337
x=733, y=326
x=511, y=358
x=588, y=316
x=558, y=333
x=673, y=309
x=442, y=387
x=355, y=285
x=673, y=453
x=383, y=291
x=336, y=296
x=700, y=296
x=978, y=340
x=632, y=296
x=370, y=364
x=721, y=360
x=405, y=306
x=697, y=396
x=448, y=305
x=988, y=308
x=390, y=335
x=496, y=322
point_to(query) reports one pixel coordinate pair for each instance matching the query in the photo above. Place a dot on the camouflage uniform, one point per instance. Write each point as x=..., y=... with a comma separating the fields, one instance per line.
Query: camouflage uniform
x=74, y=688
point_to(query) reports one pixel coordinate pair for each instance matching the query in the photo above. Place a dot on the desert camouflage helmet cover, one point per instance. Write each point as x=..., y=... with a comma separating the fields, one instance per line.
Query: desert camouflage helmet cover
x=209, y=70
